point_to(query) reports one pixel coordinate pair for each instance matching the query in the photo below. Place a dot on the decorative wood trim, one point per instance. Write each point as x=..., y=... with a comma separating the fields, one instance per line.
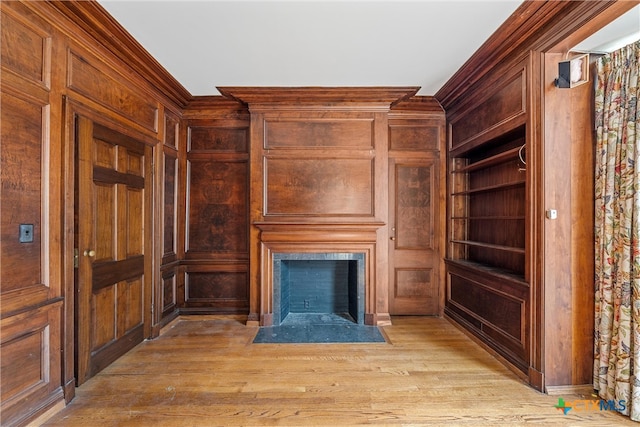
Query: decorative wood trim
x=417, y=104
x=534, y=25
x=580, y=389
x=215, y=107
x=100, y=25
x=298, y=97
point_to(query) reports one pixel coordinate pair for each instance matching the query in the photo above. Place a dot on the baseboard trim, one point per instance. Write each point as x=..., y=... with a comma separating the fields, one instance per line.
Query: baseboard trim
x=523, y=376
x=42, y=418
x=579, y=389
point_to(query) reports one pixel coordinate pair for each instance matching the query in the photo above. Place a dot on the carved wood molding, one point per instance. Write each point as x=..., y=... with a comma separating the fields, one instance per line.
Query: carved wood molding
x=319, y=232
x=301, y=97
x=535, y=25
x=100, y=25
x=215, y=106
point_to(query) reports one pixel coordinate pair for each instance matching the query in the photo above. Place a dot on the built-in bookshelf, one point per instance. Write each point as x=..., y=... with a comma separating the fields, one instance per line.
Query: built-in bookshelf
x=487, y=202
x=487, y=289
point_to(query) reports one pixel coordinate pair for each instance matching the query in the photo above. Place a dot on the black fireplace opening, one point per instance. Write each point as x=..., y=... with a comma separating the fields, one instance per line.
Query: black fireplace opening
x=318, y=287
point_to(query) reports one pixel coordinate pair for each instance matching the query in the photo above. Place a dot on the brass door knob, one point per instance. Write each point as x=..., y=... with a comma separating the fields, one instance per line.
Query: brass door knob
x=90, y=253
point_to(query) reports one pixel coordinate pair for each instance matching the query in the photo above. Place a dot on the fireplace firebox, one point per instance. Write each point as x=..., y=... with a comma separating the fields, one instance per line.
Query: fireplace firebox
x=319, y=283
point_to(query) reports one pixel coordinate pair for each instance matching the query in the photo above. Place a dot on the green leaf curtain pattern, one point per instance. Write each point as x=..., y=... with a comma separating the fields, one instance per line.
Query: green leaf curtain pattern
x=617, y=229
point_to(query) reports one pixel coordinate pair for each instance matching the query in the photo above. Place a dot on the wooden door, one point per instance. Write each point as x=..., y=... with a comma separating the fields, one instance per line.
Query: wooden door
x=413, y=252
x=113, y=226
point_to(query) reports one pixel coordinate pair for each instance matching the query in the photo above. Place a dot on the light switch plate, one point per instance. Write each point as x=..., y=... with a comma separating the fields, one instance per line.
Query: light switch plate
x=26, y=233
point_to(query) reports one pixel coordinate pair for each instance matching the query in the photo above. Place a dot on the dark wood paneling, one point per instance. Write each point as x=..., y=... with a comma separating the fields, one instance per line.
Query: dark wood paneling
x=221, y=291
x=414, y=135
x=310, y=133
x=503, y=103
x=169, y=292
x=22, y=156
x=414, y=206
x=218, y=211
x=216, y=286
x=13, y=360
x=319, y=186
x=169, y=205
x=219, y=139
x=171, y=131
x=30, y=363
x=80, y=63
x=413, y=283
x=494, y=306
x=90, y=81
x=215, y=278
x=25, y=50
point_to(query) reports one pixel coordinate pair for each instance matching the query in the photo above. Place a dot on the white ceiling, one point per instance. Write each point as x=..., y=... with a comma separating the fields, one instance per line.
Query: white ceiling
x=210, y=43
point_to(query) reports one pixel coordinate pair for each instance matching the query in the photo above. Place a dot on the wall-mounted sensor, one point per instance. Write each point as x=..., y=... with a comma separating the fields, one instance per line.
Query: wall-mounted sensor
x=26, y=233
x=552, y=213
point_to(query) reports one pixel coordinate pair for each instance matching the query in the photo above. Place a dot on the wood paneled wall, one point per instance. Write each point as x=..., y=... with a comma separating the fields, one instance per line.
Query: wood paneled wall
x=548, y=335
x=55, y=66
x=64, y=59
x=319, y=181
x=215, y=272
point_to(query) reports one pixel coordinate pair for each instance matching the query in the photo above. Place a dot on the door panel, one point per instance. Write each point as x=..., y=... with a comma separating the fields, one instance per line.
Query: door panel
x=413, y=254
x=112, y=210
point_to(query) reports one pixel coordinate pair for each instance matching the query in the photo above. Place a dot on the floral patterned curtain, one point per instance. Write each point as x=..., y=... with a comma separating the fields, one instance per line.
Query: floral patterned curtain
x=617, y=230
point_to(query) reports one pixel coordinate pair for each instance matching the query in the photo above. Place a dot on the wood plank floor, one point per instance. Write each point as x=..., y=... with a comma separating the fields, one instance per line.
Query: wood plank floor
x=204, y=371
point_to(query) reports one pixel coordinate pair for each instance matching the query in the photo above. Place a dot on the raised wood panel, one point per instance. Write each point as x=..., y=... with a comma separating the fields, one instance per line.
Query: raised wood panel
x=414, y=206
x=504, y=102
x=29, y=366
x=135, y=232
x=169, y=292
x=171, y=131
x=25, y=50
x=170, y=188
x=104, y=239
x=494, y=305
x=319, y=186
x=221, y=291
x=103, y=304
x=218, y=139
x=218, y=211
x=88, y=80
x=216, y=286
x=415, y=283
x=495, y=308
x=130, y=304
x=414, y=135
x=24, y=160
x=319, y=133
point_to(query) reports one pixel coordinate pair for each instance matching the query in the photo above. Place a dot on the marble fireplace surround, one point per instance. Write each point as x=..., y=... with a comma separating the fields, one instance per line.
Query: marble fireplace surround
x=351, y=241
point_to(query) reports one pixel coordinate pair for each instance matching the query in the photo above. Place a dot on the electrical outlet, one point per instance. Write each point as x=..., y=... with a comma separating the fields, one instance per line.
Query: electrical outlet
x=26, y=233
x=306, y=303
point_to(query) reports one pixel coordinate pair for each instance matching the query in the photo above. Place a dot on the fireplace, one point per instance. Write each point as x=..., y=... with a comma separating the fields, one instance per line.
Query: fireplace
x=344, y=251
x=319, y=283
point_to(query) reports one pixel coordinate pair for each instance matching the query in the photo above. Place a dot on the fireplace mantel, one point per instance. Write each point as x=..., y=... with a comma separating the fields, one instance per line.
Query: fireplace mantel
x=283, y=232
x=299, y=238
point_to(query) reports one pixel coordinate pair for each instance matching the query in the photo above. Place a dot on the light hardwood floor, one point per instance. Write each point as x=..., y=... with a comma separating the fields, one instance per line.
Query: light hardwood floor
x=204, y=371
